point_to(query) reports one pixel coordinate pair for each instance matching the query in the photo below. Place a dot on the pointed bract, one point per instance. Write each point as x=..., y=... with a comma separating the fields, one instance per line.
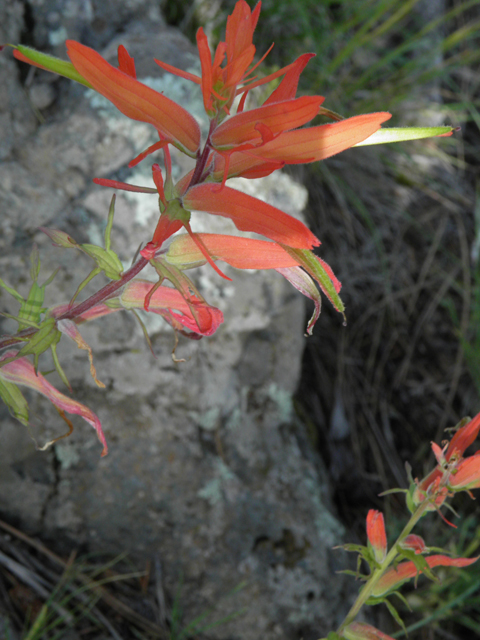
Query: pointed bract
x=250, y=214
x=136, y=100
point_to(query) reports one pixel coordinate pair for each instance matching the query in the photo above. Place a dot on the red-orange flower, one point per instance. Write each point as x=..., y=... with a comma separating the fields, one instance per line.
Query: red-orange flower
x=466, y=475
x=377, y=537
x=453, y=471
x=396, y=576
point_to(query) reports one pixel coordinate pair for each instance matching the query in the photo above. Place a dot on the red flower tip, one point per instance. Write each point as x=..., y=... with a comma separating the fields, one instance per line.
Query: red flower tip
x=376, y=534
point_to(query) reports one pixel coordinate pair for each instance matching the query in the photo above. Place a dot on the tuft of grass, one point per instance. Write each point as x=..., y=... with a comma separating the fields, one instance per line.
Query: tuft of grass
x=43, y=596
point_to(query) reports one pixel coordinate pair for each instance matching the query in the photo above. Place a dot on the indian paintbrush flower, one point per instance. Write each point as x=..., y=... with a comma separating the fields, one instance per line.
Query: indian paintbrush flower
x=377, y=537
x=396, y=576
x=453, y=472
x=240, y=142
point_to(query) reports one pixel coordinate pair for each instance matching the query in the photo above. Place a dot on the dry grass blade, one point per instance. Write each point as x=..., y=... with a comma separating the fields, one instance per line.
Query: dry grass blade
x=94, y=587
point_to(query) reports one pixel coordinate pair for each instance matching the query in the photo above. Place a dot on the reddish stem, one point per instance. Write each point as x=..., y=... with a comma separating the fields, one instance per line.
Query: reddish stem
x=110, y=289
x=105, y=292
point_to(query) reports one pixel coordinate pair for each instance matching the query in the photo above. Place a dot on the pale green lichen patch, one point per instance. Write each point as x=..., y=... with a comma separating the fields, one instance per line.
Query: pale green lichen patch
x=283, y=400
x=67, y=455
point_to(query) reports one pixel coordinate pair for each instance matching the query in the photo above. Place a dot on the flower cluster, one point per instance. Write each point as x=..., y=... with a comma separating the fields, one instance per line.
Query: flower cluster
x=453, y=473
x=409, y=556
x=249, y=143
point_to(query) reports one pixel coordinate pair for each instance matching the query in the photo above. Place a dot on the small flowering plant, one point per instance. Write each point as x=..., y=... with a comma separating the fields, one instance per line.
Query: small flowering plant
x=409, y=557
x=249, y=143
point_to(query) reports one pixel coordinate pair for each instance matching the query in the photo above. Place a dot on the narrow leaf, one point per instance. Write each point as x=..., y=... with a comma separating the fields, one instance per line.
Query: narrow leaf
x=49, y=63
x=401, y=134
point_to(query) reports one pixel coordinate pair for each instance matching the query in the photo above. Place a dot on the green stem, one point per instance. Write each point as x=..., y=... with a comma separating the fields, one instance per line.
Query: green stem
x=369, y=586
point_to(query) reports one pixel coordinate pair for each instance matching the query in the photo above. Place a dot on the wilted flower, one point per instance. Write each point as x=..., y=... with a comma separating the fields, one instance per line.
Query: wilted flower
x=21, y=372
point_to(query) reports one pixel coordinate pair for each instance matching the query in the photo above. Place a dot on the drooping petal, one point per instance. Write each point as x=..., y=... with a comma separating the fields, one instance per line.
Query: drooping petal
x=22, y=372
x=136, y=100
x=250, y=214
x=396, y=576
x=304, y=283
x=207, y=319
x=278, y=117
x=69, y=328
x=240, y=253
x=376, y=534
x=322, y=273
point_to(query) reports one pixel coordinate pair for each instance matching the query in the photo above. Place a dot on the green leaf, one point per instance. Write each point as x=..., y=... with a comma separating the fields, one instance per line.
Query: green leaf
x=108, y=229
x=32, y=307
x=13, y=398
x=401, y=597
x=357, y=548
x=43, y=339
x=402, y=134
x=58, y=366
x=11, y=291
x=35, y=263
x=84, y=283
x=355, y=574
x=395, y=615
x=56, y=65
x=106, y=259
